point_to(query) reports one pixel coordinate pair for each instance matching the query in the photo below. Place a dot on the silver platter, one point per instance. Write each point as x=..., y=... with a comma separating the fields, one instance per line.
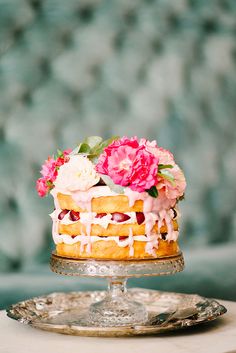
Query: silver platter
x=66, y=312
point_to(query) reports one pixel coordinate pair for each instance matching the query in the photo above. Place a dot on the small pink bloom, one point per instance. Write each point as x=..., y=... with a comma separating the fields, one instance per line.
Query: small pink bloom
x=64, y=158
x=66, y=152
x=49, y=171
x=41, y=186
x=165, y=156
x=177, y=188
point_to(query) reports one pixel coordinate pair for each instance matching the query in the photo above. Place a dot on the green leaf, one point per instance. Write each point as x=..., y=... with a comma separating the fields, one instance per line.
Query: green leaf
x=93, y=158
x=93, y=141
x=93, y=146
x=164, y=166
x=75, y=150
x=167, y=175
x=104, y=144
x=114, y=187
x=59, y=153
x=153, y=191
x=84, y=148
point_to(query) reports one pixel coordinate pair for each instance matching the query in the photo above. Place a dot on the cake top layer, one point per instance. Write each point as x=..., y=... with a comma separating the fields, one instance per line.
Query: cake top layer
x=125, y=165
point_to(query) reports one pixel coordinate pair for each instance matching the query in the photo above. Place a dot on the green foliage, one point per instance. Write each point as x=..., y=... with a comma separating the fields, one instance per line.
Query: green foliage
x=93, y=146
x=153, y=191
x=114, y=187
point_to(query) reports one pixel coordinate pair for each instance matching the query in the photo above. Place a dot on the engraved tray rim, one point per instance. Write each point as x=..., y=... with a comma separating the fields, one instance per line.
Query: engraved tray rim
x=19, y=312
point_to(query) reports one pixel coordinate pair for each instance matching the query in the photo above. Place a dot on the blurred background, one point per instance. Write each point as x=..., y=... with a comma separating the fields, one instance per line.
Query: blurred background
x=163, y=70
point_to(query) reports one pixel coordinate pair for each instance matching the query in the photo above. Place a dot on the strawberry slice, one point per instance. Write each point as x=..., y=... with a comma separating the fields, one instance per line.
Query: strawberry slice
x=100, y=215
x=74, y=216
x=119, y=217
x=122, y=238
x=140, y=217
x=62, y=214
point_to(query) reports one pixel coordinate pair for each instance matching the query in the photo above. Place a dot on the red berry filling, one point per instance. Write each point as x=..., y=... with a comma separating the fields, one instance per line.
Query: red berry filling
x=74, y=216
x=62, y=214
x=140, y=217
x=122, y=238
x=119, y=217
x=100, y=215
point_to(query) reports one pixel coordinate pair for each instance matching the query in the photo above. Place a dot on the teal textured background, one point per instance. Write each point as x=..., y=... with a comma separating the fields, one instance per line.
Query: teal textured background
x=160, y=69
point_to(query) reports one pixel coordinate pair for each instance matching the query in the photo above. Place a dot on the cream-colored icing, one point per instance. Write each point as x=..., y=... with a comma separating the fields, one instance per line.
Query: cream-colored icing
x=150, y=204
x=84, y=239
x=87, y=217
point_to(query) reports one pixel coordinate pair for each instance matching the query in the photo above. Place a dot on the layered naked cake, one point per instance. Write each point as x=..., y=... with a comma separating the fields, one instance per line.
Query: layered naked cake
x=114, y=199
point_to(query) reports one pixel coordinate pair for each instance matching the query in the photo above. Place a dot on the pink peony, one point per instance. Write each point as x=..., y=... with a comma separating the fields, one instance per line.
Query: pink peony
x=144, y=171
x=128, y=163
x=102, y=165
x=119, y=164
x=41, y=186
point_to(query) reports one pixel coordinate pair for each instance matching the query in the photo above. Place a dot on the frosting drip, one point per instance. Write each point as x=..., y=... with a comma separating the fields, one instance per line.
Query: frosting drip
x=154, y=209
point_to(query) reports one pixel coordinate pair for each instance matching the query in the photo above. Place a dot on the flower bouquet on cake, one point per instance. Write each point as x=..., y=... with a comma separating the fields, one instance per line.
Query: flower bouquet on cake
x=115, y=199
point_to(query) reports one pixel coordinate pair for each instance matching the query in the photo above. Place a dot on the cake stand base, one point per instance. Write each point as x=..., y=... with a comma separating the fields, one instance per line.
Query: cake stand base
x=117, y=308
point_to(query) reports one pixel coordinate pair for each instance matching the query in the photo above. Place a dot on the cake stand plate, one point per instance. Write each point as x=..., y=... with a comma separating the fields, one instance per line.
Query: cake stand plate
x=66, y=313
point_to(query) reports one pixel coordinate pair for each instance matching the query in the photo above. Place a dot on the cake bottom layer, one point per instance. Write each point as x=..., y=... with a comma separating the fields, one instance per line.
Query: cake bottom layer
x=109, y=250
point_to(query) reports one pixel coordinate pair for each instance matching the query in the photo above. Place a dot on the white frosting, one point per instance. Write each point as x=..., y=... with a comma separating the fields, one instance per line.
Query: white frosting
x=90, y=217
x=67, y=239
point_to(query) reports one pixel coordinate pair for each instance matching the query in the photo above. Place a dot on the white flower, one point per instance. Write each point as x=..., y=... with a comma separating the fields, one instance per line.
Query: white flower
x=77, y=174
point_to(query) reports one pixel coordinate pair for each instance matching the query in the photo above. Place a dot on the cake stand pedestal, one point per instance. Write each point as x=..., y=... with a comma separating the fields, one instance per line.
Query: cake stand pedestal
x=117, y=308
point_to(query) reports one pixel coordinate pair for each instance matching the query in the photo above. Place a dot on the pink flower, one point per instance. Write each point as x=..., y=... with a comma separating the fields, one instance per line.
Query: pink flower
x=134, y=163
x=63, y=158
x=49, y=172
x=41, y=186
x=144, y=171
x=120, y=164
x=165, y=156
x=128, y=163
x=175, y=189
x=102, y=165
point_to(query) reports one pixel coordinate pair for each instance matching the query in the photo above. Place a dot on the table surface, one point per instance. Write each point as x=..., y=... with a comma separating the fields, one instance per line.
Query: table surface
x=218, y=336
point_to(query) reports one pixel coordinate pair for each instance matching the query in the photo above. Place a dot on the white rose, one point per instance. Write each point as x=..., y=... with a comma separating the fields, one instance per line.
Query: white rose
x=77, y=174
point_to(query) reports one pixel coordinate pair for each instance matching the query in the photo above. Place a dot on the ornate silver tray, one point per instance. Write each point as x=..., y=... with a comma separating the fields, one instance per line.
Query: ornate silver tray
x=67, y=312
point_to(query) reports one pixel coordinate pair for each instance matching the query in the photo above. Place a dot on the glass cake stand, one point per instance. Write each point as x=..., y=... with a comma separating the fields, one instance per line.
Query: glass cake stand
x=117, y=308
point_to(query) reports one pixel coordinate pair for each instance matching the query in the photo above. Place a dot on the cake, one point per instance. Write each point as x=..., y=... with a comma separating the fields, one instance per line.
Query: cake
x=115, y=199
